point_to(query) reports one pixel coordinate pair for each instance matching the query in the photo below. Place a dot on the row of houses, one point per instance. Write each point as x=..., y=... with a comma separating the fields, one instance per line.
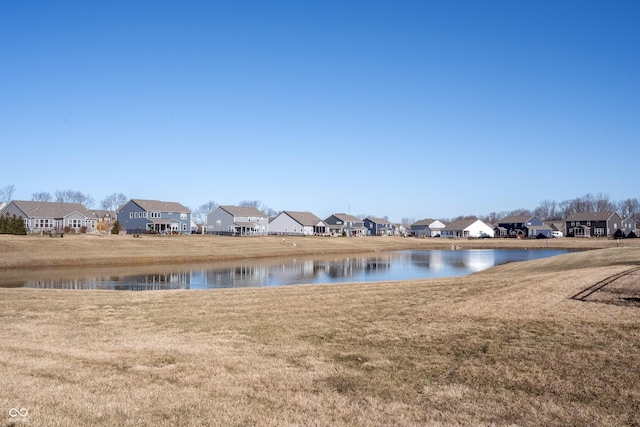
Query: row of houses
x=144, y=216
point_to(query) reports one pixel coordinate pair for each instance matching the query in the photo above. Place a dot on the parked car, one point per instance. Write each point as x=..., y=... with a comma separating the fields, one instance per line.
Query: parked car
x=557, y=234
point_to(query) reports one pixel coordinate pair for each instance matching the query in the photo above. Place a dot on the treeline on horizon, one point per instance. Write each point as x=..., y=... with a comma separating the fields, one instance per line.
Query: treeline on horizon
x=547, y=210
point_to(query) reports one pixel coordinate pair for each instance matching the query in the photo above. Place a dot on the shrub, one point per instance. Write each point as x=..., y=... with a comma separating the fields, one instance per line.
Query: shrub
x=115, y=229
x=12, y=225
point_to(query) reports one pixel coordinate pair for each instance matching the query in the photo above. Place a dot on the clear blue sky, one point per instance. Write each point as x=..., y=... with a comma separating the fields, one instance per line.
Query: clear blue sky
x=398, y=108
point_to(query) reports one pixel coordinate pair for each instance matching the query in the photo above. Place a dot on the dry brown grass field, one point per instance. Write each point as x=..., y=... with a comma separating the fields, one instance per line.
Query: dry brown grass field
x=506, y=347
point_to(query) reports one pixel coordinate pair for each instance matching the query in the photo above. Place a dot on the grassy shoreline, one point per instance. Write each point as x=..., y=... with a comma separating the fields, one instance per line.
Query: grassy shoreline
x=19, y=252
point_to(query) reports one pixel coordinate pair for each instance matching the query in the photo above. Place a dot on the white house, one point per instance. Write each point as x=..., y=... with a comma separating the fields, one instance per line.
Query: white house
x=297, y=223
x=427, y=227
x=467, y=228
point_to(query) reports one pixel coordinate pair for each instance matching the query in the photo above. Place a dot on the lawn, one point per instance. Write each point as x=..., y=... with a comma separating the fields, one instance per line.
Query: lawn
x=506, y=346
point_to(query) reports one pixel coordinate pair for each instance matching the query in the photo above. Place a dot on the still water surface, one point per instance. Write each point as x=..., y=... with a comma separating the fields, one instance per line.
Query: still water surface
x=401, y=265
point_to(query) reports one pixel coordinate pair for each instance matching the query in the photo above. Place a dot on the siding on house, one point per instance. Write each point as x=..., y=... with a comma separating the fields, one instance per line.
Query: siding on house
x=237, y=220
x=427, y=227
x=524, y=225
x=629, y=226
x=378, y=227
x=593, y=224
x=142, y=216
x=52, y=216
x=467, y=228
x=347, y=224
x=297, y=223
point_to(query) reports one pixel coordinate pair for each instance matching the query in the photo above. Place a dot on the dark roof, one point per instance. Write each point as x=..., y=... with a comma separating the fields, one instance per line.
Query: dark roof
x=590, y=216
x=513, y=219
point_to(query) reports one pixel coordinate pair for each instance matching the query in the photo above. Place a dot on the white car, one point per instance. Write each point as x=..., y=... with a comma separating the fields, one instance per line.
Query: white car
x=557, y=234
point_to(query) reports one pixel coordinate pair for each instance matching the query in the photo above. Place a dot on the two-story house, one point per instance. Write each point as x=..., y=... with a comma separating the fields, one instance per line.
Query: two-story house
x=522, y=226
x=346, y=225
x=593, y=224
x=237, y=220
x=378, y=227
x=154, y=216
x=629, y=227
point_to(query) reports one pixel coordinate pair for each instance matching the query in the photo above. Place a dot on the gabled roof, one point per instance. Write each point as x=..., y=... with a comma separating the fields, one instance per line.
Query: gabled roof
x=378, y=220
x=159, y=206
x=243, y=211
x=514, y=219
x=51, y=209
x=346, y=217
x=556, y=225
x=460, y=224
x=590, y=216
x=423, y=222
x=304, y=218
x=101, y=213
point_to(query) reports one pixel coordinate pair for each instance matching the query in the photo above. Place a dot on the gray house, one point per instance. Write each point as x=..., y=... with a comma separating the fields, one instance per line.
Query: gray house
x=237, y=220
x=154, y=216
x=593, y=224
x=378, y=227
x=297, y=223
x=52, y=216
x=629, y=227
x=346, y=224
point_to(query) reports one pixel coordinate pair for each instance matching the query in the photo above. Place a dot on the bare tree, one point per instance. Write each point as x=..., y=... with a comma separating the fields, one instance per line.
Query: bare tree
x=200, y=214
x=260, y=206
x=602, y=203
x=493, y=217
x=270, y=212
x=6, y=193
x=250, y=204
x=629, y=208
x=42, y=196
x=547, y=210
x=70, y=196
x=113, y=201
x=407, y=221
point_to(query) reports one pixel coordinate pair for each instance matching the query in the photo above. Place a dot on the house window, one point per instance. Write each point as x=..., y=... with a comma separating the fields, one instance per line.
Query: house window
x=598, y=231
x=218, y=222
x=589, y=223
x=75, y=223
x=573, y=224
x=130, y=214
x=183, y=216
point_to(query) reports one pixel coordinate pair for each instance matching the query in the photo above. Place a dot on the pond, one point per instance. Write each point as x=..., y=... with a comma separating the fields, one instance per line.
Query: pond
x=384, y=266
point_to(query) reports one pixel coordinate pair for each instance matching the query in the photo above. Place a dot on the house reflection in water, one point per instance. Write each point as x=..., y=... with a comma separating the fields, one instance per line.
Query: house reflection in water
x=391, y=266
